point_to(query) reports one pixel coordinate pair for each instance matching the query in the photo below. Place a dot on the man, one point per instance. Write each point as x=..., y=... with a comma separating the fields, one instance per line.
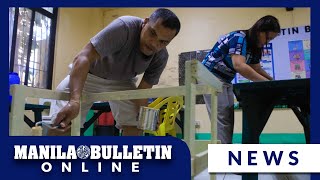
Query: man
x=128, y=46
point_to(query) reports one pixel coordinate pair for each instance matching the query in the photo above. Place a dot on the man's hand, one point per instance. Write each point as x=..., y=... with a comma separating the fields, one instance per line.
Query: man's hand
x=67, y=113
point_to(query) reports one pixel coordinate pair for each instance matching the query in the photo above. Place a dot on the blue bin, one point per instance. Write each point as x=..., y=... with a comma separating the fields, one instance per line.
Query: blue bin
x=13, y=79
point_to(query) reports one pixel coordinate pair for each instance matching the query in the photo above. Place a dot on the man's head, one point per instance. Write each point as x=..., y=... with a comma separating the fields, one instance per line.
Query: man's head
x=158, y=30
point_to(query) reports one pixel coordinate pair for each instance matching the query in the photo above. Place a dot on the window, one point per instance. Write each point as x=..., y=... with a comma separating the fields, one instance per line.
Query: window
x=31, y=44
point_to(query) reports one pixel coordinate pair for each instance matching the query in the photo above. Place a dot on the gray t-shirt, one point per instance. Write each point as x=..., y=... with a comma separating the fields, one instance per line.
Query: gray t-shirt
x=121, y=58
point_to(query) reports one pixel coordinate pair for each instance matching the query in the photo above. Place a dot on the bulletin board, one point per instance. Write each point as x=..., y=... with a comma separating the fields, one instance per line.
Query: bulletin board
x=287, y=56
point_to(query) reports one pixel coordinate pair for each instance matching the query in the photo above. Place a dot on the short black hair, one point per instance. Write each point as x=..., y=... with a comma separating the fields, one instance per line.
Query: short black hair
x=169, y=19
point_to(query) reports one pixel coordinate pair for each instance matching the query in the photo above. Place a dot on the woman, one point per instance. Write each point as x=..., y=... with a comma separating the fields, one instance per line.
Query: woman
x=238, y=52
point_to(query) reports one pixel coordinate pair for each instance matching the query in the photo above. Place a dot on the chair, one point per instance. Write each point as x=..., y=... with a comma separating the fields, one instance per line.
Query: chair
x=169, y=108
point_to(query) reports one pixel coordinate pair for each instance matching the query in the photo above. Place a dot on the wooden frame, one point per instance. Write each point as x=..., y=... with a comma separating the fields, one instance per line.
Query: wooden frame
x=195, y=71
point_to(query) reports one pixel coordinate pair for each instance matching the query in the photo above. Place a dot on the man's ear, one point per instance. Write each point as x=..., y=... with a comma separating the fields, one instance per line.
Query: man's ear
x=145, y=21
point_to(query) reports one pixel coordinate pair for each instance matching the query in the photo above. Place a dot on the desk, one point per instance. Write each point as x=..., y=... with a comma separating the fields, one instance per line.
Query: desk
x=258, y=100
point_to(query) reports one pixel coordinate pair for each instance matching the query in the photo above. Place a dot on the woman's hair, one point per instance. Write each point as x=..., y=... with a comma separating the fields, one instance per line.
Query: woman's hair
x=265, y=24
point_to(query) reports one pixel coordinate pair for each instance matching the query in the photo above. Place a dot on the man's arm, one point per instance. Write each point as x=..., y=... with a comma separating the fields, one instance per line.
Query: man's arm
x=78, y=76
x=245, y=70
x=258, y=69
x=142, y=102
x=80, y=69
x=152, y=75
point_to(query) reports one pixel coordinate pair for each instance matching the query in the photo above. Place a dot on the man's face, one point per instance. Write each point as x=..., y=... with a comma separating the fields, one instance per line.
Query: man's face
x=154, y=36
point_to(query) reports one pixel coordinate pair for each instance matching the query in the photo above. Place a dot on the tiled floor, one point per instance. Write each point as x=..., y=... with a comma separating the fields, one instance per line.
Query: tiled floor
x=205, y=176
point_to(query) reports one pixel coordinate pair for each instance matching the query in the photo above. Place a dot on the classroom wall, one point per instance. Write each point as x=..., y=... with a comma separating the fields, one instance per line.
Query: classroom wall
x=200, y=29
x=75, y=26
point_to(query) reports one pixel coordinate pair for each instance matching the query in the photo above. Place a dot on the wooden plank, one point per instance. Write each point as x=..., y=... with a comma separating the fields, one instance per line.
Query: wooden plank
x=135, y=94
x=203, y=89
x=205, y=76
x=214, y=116
x=17, y=111
x=42, y=93
x=214, y=120
x=189, y=121
x=76, y=124
x=144, y=93
x=201, y=149
x=200, y=162
x=193, y=70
